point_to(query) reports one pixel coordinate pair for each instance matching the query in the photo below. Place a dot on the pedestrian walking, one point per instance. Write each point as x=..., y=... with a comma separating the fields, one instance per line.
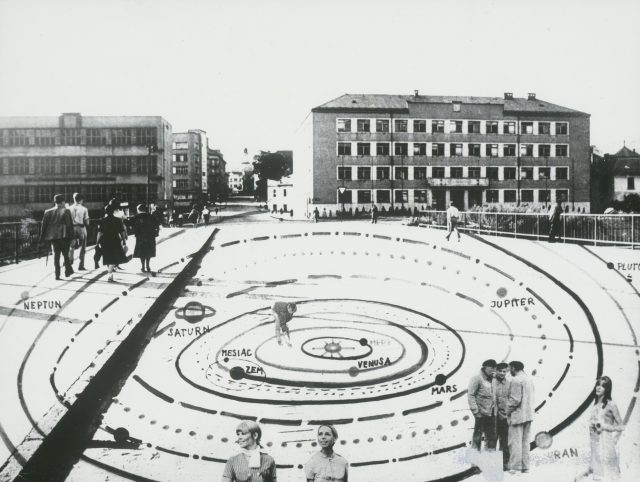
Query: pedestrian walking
x=374, y=214
x=193, y=216
x=452, y=220
x=316, y=215
x=282, y=313
x=520, y=414
x=57, y=229
x=481, y=403
x=555, y=218
x=205, y=215
x=112, y=241
x=145, y=229
x=80, y=219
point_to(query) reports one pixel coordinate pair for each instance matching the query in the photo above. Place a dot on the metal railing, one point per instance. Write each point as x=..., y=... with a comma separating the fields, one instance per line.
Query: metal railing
x=613, y=229
x=20, y=240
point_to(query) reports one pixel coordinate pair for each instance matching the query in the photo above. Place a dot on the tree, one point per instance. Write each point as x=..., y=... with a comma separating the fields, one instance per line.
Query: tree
x=269, y=165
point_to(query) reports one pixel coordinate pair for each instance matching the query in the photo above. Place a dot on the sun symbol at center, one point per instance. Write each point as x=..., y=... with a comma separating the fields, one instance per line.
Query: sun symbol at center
x=332, y=347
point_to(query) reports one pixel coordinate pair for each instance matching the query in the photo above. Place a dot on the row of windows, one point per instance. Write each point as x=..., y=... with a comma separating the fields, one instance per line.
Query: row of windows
x=73, y=165
x=365, y=196
x=139, y=136
x=433, y=126
x=91, y=192
x=346, y=173
x=453, y=149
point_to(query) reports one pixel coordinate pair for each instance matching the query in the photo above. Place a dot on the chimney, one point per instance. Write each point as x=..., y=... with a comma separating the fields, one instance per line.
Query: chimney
x=415, y=93
x=531, y=96
x=508, y=95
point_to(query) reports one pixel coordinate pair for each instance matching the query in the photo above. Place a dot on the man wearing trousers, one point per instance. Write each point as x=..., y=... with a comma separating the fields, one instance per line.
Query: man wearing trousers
x=57, y=227
x=481, y=403
x=501, y=383
x=80, y=218
x=520, y=415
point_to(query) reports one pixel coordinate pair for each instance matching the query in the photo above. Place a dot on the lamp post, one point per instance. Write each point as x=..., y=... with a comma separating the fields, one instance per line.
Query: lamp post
x=151, y=149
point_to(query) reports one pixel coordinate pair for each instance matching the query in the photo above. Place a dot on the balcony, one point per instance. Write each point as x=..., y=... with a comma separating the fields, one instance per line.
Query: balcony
x=459, y=182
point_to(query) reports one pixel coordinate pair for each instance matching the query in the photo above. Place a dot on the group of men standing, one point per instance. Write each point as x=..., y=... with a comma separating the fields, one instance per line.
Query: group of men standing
x=501, y=398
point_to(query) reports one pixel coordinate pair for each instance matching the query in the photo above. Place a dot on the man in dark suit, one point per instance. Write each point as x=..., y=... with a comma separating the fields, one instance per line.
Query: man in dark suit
x=57, y=227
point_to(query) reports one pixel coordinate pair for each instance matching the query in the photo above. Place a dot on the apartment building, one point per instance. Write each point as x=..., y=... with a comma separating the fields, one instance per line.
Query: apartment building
x=425, y=151
x=217, y=175
x=127, y=157
x=189, y=168
x=625, y=170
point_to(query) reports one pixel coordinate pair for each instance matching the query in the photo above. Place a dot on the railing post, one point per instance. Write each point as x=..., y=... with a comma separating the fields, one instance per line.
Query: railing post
x=632, y=231
x=16, y=243
x=595, y=230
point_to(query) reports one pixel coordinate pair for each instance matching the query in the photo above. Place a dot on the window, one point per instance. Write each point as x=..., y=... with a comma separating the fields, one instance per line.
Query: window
x=544, y=128
x=509, y=128
x=400, y=125
x=383, y=196
x=455, y=150
x=402, y=173
x=437, y=172
x=544, y=173
x=492, y=195
x=526, y=127
x=473, y=127
x=181, y=183
x=382, y=173
x=364, y=197
x=382, y=148
x=401, y=196
x=474, y=172
x=526, y=195
x=70, y=165
x=364, y=149
x=96, y=165
x=492, y=173
x=456, y=106
x=419, y=148
x=562, y=128
x=18, y=166
x=437, y=149
x=18, y=194
x=562, y=173
x=509, y=173
x=44, y=137
x=274, y=192
x=96, y=192
x=401, y=148
x=455, y=173
x=344, y=148
x=509, y=150
x=364, y=125
x=544, y=195
x=344, y=125
x=631, y=183
x=419, y=172
x=526, y=149
x=491, y=150
x=45, y=165
x=474, y=149
x=419, y=126
x=96, y=137
x=420, y=196
x=284, y=193
x=18, y=137
x=492, y=127
x=70, y=137
x=544, y=150
x=121, y=165
x=526, y=173
x=43, y=194
x=509, y=195
x=455, y=126
x=437, y=126
x=181, y=170
x=147, y=164
x=345, y=197
x=364, y=173
x=121, y=137
x=382, y=125
x=562, y=195
x=181, y=145
x=562, y=150
x=147, y=136
x=344, y=173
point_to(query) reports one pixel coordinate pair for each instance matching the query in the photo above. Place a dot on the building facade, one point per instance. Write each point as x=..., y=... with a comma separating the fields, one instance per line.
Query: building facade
x=236, y=182
x=280, y=195
x=217, y=174
x=101, y=157
x=189, y=168
x=626, y=172
x=425, y=151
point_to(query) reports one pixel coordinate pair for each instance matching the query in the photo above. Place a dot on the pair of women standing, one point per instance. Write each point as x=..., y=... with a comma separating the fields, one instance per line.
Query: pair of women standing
x=254, y=465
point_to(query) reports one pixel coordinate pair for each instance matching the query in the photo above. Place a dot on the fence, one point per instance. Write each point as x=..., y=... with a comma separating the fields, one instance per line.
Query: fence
x=614, y=229
x=21, y=240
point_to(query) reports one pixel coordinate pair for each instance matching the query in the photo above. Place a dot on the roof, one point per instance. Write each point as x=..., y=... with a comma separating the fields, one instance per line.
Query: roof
x=400, y=103
x=627, y=167
x=626, y=152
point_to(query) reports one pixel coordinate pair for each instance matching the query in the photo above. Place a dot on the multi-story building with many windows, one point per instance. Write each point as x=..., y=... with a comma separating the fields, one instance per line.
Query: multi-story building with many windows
x=424, y=151
x=101, y=157
x=217, y=174
x=190, y=181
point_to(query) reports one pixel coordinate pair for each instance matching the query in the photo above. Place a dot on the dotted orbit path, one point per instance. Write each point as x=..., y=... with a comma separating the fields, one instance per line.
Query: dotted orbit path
x=466, y=297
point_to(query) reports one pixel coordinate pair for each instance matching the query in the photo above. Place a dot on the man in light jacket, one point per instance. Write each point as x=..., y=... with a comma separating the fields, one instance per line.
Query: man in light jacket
x=481, y=403
x=520, y=414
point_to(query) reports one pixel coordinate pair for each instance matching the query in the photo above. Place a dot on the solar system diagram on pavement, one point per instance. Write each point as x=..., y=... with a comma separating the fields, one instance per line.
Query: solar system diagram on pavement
x=391, y=324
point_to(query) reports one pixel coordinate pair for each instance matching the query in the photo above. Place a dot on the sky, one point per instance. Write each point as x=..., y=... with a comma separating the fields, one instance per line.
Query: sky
x=249, y=72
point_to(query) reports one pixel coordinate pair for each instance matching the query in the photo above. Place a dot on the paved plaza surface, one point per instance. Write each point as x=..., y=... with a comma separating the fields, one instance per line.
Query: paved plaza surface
x=392, y=322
